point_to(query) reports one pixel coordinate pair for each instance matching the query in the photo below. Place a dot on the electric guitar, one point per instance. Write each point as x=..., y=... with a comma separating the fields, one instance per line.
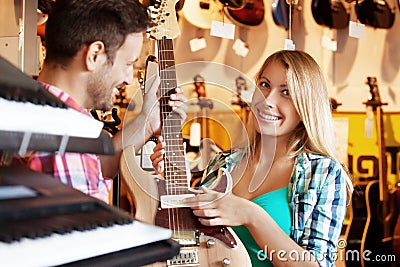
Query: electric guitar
x=283, y=13
x=159, y=201
x=371, y=229
x=241, y=90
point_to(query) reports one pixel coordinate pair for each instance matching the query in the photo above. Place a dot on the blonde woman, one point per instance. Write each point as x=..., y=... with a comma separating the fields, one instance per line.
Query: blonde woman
x=290, y=192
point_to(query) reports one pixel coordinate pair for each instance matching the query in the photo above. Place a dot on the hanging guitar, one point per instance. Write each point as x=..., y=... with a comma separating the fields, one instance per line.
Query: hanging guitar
x=371, y=202
x=157, y=200
x=241, y=90
x=245, y=13
x=334, y=14
x=283, y=13
x=377, y=13
x=201, y=13
x=207, y=149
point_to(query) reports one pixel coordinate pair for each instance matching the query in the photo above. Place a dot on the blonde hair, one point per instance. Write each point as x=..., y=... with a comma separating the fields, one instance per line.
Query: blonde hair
x=309, y=94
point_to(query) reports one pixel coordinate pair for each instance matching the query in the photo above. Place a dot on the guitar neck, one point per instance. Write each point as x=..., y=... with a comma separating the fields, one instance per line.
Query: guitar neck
x=384, y=194
x=175, y=164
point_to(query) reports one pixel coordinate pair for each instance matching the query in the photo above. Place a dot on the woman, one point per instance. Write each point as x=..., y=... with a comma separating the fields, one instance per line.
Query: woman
x=290, y=193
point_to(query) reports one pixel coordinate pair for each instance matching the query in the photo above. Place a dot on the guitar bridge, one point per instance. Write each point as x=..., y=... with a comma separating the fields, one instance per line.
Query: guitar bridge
x=186, y=257
x=187, y=238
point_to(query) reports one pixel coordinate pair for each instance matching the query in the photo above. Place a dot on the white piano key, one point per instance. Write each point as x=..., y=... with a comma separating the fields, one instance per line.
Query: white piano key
x=78, y=245
x=27, y=117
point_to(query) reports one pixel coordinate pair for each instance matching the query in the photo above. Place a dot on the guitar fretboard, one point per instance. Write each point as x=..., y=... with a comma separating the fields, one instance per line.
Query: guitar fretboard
x=175, y=165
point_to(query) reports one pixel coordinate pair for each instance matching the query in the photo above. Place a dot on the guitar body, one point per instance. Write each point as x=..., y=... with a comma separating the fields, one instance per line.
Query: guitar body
x=280, y=13
x=201, y=13
x=330, y=13
x=210, y=246
x=252, y=14
x=396, y=231
x=366, y=229
x=359, y=218
x=377, y=14
x=373, y=232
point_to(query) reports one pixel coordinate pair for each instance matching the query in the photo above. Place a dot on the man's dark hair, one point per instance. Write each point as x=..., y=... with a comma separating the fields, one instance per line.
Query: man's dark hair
x=73, y=24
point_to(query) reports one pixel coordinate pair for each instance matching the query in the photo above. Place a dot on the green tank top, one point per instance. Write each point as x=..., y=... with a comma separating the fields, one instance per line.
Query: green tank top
x=277, y=206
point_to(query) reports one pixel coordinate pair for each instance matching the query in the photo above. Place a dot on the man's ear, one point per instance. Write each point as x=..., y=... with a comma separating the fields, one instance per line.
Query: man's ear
x=95, y=55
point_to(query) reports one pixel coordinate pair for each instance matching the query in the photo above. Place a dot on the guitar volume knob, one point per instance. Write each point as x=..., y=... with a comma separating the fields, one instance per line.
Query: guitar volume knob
x=226, y=262
x=210, y=243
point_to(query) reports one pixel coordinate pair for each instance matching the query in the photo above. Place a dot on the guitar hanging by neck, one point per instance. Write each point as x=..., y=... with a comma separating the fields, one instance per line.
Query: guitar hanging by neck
x=376, y=104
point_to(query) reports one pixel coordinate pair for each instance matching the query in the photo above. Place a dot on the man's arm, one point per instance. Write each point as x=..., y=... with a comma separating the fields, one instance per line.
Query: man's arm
x=142, y=127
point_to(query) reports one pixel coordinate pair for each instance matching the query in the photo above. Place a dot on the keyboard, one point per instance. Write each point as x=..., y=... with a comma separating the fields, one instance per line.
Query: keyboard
x=45, y=223
x=21, y=116
x=57, y=249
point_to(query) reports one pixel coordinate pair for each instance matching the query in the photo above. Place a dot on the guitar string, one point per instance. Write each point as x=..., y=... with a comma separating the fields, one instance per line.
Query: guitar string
x=171, y=186
x=162, y=107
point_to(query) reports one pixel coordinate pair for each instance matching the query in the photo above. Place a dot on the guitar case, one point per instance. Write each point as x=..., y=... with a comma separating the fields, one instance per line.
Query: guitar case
x=377, y=14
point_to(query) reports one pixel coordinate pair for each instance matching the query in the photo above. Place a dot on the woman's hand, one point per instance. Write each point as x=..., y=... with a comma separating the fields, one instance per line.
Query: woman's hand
x=157, y=158
x=215, y=208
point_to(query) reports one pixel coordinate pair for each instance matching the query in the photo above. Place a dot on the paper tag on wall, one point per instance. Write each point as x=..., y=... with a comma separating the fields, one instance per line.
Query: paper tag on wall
x=222, y=29
x=369, y=123
x=197, y=44
x=289, y=45
x=240, y=48
x=356, y=30
x=329, y=43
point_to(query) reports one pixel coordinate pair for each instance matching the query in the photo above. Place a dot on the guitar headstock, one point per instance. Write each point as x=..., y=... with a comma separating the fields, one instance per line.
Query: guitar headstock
x=199, y=84
x=292, y=2
x=241, y=85
x=164, y=20
x=375, y=99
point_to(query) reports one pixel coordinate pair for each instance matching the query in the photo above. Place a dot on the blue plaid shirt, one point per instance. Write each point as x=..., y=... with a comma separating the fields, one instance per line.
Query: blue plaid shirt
x=317, y=197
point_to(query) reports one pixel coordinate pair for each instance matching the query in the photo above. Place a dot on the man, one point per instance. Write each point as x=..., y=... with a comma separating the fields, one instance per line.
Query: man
x=90, y=50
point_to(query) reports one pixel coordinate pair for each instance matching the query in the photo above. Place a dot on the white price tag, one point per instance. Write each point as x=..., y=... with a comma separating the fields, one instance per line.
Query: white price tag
x=289, y=45
x=197, y=44
x=222, y=29
x=329, y=43
x=356, y=30
x=240, y=48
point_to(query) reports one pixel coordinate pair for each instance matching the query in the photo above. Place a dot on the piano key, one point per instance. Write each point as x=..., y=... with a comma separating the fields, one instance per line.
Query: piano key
x=35, y=118
x=59, y=249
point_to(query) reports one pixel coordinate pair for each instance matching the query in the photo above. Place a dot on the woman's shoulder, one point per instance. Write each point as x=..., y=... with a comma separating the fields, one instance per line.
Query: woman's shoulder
x=320, y=169
x=318, y=160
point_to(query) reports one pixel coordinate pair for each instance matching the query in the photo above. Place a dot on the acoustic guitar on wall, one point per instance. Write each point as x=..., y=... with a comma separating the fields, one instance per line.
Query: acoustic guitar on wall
x=371, y=229
x=158, y=200
x=377, y=13
x=201, y=13
x=247, y=13
x=334, y=14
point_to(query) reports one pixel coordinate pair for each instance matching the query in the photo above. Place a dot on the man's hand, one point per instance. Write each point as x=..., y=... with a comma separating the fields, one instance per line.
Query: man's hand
x=151, y=106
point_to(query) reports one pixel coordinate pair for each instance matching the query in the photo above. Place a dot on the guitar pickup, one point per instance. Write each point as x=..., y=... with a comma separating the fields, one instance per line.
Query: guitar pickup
x=174, y=201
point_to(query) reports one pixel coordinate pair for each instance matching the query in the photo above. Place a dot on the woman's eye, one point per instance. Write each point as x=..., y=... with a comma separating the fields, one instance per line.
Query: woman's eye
x=264, y=84
x=285, y=92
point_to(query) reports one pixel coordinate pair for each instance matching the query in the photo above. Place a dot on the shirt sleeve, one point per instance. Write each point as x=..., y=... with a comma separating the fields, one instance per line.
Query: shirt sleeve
x=322, y=211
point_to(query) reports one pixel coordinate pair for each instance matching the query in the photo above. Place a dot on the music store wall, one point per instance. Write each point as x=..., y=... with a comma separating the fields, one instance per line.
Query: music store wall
x=346, y=61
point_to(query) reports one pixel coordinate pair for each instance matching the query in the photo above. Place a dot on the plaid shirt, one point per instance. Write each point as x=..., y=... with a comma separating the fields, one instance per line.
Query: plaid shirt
x=81, y=171
x=317, y=197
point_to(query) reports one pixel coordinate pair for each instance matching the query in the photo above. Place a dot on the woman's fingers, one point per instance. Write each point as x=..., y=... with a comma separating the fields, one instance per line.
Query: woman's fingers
x=157, y=158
